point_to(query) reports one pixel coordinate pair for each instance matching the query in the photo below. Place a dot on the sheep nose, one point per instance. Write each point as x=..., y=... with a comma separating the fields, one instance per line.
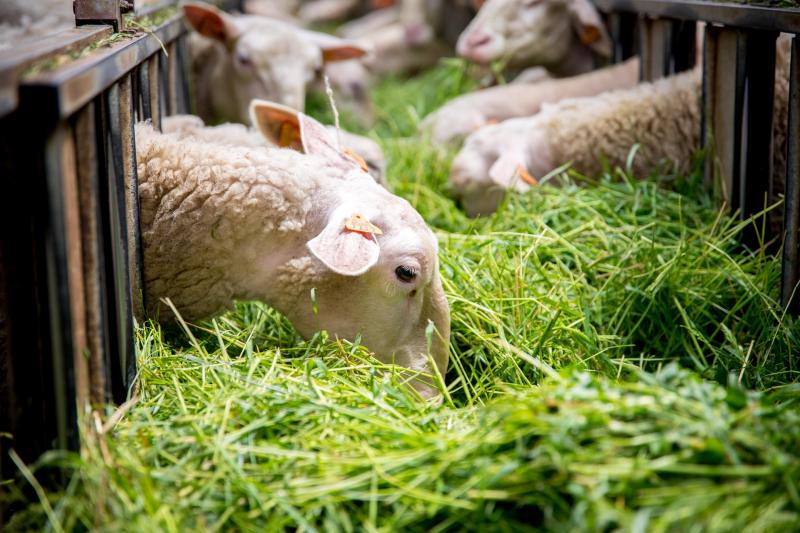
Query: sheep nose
x=478, y=39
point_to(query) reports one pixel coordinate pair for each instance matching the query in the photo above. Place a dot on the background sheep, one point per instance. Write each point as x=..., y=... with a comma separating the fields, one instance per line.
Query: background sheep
x=239, y=135
x=574, y=34
x=467, y=113
x=238, y=58
x=222, y=223
x=663, y=117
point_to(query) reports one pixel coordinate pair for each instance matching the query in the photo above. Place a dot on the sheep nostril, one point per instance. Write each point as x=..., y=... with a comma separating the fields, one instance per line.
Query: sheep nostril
x=477, y=40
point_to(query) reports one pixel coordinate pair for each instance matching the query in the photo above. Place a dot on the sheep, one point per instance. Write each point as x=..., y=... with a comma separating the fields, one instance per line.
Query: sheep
x=304, y=230
x=467, y=113
x=239, y=135
x=572, y=35
x=663, y=117
x=410, y=37
x=238, y=58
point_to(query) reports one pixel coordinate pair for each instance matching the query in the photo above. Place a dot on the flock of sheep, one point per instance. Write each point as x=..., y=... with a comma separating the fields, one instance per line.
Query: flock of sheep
x=296, y=214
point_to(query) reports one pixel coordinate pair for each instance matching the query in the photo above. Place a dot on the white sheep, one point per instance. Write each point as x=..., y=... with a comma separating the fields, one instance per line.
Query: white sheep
x=467, y=113
x=305, y=230
x=563, y=36
x=238, y=58
x=662, y=117
x=358, y=147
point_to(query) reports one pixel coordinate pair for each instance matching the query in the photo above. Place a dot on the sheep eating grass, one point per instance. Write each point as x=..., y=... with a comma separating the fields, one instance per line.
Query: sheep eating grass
x=221, y=223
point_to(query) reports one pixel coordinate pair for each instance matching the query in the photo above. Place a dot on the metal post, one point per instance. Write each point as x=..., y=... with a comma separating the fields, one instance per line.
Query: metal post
x=791, y=219
x=99, y=12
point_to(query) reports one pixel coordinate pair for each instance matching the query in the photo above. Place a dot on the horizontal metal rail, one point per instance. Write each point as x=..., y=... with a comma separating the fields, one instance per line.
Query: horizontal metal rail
x=726, y=14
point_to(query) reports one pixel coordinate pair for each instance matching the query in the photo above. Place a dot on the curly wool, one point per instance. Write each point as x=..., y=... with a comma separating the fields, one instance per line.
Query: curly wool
x=663, y=117
x=204, y=208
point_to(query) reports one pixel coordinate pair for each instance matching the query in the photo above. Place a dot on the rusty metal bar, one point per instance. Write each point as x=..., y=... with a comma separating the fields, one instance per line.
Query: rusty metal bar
x=93, y=256
x=725, y=13
x=120, y=240
x=99, y=11
x=791, y=220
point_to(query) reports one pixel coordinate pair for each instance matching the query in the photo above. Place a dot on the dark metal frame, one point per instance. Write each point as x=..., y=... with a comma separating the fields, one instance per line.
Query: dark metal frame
x=738, y=100
x=71, y=276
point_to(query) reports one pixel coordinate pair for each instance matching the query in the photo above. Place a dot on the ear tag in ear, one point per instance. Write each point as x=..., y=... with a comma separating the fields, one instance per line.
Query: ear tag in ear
x=360, y=224
x=589, y=35
x=525, y=176
x=357, y=158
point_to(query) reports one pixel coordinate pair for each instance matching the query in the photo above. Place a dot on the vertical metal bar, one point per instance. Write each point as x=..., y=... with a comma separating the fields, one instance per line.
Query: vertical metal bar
x=724, y=93
x=183, y=104
x=93, y=258
x=143, y=84
x=165, y=81
x=710, y=54
x=756, y=134
x=119, y=273
x=59, y=260
x=655, y=44
x=128, y=140
x=791, y=220
x=155, y=91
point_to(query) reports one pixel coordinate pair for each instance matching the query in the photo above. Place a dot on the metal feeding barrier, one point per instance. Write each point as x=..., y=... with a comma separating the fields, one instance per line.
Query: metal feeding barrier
x=70, y=248
x=738, y=57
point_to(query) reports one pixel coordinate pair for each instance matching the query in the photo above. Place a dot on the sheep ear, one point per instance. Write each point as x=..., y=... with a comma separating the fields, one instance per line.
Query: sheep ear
x=510, y=172
x=210, y=22
x=346, y=251
x=288, y=128
x=279, y=124
x=589, y=27
x=335, y=49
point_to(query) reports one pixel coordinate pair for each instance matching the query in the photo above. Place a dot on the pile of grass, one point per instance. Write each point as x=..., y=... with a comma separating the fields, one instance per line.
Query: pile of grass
x=617, y=361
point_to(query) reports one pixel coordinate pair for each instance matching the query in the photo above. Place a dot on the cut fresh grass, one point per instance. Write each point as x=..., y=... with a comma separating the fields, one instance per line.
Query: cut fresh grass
x=618, y=361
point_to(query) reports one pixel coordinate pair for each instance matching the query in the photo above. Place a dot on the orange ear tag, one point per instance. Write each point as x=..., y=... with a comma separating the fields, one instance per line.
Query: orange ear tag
x=357, y=158
x=527, y=178
x=360, y=224
x=589, y=34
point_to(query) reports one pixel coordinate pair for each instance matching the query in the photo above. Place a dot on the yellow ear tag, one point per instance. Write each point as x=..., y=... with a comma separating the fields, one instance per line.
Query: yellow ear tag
x=527, y=178
x=360, y=224
x=357, y=158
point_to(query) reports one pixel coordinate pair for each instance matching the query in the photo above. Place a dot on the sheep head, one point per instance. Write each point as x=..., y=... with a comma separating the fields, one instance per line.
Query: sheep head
x=267, y=58
x=370, y=258
x=532, y=32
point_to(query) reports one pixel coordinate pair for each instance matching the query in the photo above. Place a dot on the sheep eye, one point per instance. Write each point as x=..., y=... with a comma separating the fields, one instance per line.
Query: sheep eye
x=244, y=60
x=405, y=274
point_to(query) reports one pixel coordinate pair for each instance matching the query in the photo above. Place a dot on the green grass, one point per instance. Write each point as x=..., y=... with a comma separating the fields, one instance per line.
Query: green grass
x=618, y=361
